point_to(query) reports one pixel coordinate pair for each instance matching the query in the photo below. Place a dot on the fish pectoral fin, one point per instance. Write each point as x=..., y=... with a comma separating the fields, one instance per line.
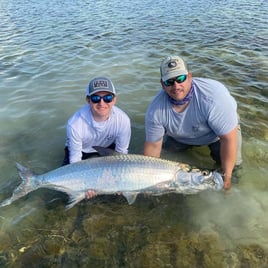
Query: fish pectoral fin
x=74, y=198
x=130, y=196
x=102, y=151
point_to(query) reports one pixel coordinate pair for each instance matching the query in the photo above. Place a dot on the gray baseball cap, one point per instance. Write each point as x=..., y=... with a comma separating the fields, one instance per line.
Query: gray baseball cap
x=100, y=84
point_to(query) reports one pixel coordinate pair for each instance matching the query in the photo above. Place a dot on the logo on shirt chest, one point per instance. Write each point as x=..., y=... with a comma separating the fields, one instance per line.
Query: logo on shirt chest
x=195, y=128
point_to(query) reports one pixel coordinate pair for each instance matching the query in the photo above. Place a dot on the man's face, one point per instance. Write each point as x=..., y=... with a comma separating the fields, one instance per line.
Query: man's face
x=101, y=104
x=178, y=87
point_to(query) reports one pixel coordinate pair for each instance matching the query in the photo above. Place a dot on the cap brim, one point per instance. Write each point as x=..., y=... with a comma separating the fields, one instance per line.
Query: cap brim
x=174, y=74
x=101, y=90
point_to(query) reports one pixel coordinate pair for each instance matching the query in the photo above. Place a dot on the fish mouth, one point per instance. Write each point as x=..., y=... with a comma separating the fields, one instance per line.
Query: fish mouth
x=218, y=179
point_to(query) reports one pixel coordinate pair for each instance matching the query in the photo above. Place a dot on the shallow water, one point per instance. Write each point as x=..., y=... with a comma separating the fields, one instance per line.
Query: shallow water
x=48, y=53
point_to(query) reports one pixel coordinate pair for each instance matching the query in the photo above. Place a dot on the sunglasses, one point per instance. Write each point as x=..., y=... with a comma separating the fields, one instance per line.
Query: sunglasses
x=106, y=98
x=179, y=79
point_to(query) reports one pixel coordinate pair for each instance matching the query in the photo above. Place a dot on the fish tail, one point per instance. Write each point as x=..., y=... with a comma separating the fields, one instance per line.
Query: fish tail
x=27, y=185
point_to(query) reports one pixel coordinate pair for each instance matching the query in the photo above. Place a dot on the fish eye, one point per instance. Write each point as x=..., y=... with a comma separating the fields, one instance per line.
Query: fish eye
x=205, y=172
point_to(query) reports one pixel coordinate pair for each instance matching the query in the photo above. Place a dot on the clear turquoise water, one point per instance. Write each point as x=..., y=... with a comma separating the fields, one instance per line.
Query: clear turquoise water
x=48, y=53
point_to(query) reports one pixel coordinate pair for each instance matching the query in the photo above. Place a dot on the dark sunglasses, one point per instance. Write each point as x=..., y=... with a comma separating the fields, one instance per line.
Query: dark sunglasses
x=106, y=98
x=179, y=79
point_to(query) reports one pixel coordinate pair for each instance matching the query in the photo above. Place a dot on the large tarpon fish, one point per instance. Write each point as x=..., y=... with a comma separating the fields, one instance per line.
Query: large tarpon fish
x=128, y=174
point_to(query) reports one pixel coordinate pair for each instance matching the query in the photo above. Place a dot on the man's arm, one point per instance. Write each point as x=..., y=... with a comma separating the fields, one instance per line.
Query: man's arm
x=153, y=148
x=228, y=151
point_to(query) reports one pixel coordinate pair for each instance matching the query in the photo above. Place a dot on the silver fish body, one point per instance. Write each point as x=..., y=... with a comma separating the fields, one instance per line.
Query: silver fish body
x=128, y=174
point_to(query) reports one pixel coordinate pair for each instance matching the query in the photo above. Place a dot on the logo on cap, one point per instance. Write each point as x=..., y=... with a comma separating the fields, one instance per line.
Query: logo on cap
x=172, y=64
x=100, y=84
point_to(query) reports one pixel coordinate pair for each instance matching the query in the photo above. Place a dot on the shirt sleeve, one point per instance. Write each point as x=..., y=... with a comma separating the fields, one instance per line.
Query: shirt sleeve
x=154, y=129
x=124, y=135
x=223, y=116
x=74, y=142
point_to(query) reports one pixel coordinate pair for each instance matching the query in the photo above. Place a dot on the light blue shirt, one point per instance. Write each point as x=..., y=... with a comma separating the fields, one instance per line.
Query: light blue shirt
x=210, y=113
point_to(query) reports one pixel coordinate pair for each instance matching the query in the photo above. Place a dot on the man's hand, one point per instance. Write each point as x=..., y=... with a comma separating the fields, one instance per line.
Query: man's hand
x=227, y=182
x=90, y=193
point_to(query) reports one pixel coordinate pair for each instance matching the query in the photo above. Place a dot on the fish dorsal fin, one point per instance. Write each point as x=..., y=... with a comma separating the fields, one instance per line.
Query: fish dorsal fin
x=130, y=196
